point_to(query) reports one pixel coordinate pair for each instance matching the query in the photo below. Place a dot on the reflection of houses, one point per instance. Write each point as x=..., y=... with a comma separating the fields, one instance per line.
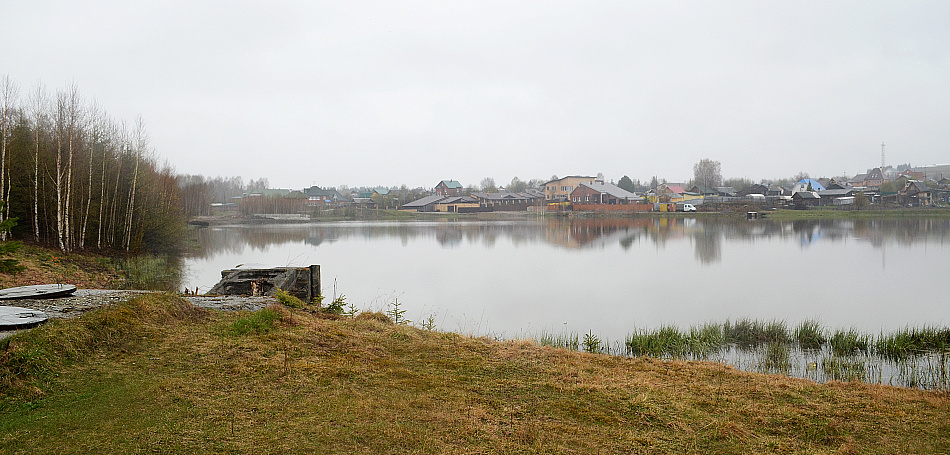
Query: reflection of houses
x=560, y=189
x=448, y=188
x=603, y=193
x=915, y=193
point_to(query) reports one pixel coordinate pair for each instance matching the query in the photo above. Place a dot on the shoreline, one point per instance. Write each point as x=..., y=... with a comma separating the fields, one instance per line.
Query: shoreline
x=739, y=212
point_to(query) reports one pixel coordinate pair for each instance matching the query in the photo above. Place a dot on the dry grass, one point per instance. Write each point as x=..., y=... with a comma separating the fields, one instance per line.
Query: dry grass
x=45, y=266
x=186, y=382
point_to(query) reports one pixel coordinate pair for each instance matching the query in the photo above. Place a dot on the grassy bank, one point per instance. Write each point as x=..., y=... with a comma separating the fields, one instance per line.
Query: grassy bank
x=876, y=213
x=156, y=374
x=46, y=265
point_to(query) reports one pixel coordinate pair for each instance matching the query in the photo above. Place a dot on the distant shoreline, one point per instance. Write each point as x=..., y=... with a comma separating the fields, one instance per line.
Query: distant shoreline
x=403, y=215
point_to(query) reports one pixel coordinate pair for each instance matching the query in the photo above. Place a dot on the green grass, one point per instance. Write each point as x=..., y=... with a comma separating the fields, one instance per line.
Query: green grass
x=156, y=375
x=849, y=342
x=747, y=333
x=910, y=342
x=259, y=322
x=874, y=212
x=810, y=335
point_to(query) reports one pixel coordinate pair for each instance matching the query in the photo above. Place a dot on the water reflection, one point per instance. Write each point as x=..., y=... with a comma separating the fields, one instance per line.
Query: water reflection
x=706, y=236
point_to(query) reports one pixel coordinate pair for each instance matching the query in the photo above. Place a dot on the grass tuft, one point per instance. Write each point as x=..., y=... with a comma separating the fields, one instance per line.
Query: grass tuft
x=810, y=335
x=259, y=322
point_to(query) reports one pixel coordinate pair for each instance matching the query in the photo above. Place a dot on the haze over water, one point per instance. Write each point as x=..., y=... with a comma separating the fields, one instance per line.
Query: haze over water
x=519, y=278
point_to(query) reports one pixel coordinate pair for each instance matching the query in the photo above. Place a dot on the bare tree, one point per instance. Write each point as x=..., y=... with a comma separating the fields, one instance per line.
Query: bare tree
x=8, y=95
x=517, y=185
x=488, y=184
x=95, y=136
x=39, y=103
x=707, y=173
x=140, y=147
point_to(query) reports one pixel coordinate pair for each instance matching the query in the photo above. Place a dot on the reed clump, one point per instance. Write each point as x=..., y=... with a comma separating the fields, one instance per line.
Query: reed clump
x=849, y=342
x=918, y=357
x=810, y=335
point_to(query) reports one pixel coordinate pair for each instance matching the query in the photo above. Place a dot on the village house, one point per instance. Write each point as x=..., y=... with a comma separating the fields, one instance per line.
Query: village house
x=670, y=193
x=858, y=180
x=776, y=190
x=726, y=191
x=448, y=188
x=560, y=189
x=915, y=193
x=703, y=190
x=757, y=189
x=603, y=193
x=803, y=199
x=508, y=202
x=808, y=185
x=836, y=196
x=318, y=197
x=874, y=178
x=457, y=204
x=426, y=204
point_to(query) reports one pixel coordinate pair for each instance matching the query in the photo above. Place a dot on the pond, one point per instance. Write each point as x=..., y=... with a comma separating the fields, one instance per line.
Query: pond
x=611, y=277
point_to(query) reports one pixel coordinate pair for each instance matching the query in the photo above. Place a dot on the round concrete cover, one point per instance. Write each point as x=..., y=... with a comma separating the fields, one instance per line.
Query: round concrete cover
x=12, y=317
x=39, y=291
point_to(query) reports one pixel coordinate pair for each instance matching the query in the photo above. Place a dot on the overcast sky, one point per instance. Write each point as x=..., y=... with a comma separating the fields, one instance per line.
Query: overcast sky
x=399, y=92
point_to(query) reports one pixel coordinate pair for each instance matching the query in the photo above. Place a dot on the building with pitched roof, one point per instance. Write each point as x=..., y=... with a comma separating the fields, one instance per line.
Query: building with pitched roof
x=560, y=189
x=508, y=202
x=448, y=188
x=915, y=193
x=603, y=193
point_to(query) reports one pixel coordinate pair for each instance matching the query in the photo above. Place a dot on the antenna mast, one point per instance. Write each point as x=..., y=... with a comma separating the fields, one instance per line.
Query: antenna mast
x=882, y=157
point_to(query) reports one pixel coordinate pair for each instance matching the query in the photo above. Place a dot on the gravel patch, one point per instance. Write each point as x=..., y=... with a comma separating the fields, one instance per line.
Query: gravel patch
x=85, y=300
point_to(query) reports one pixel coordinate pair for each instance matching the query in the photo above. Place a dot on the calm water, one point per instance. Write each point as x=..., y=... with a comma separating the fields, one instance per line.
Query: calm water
x=523, y=277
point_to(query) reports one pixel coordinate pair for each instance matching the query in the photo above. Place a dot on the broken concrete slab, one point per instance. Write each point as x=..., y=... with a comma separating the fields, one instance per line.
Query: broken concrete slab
x=301, y=282
x=12, y=317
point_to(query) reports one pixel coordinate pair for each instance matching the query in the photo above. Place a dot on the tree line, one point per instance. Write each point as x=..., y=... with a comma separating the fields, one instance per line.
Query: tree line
x=76, y=179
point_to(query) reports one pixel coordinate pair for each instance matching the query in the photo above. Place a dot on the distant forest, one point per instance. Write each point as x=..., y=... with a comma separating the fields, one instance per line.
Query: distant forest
x=76, y=179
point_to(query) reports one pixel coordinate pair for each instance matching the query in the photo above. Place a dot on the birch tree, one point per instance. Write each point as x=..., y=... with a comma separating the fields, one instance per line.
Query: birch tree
x=8, y=94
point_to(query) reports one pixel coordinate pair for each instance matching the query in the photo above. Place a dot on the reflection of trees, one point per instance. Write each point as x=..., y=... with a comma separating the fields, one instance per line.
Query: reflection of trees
x=708, y=246
x=708, y=235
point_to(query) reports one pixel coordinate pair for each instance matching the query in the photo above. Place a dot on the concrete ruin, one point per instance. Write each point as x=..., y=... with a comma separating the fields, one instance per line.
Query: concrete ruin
x=301, y=282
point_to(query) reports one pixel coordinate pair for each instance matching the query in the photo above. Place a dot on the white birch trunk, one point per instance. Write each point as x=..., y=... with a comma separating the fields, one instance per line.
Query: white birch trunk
x=7, y=99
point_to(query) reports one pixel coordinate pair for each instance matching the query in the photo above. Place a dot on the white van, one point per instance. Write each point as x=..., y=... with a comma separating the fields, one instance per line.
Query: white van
x=689, y=208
